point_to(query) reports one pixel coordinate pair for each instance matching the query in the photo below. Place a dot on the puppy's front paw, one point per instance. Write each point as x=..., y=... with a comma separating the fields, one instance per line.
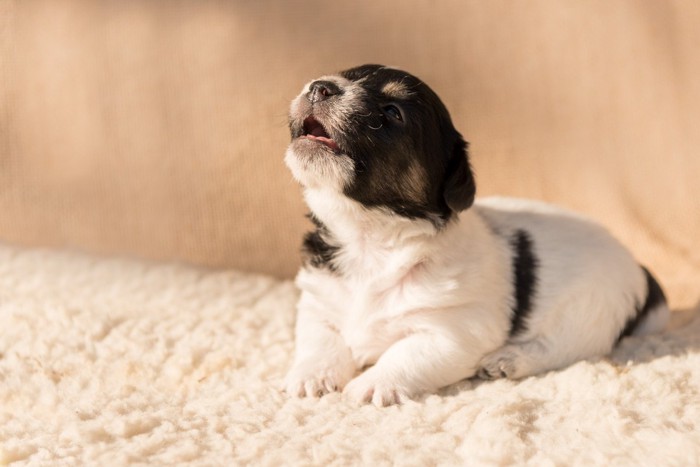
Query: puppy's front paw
x=314, y=378
x=380, y=391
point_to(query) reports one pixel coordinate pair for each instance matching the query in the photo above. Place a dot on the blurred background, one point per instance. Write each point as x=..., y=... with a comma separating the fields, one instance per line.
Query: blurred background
x=157, y=129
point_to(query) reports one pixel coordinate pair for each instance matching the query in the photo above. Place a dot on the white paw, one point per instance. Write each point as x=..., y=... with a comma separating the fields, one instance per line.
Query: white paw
x=499, y=364
x=370, y=386
x=314, y=378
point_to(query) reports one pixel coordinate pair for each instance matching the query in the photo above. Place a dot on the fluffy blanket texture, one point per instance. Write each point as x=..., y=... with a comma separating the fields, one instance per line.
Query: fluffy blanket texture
x=115, y=362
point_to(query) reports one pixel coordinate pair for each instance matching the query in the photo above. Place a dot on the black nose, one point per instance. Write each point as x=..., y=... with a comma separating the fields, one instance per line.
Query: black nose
x=322, y=90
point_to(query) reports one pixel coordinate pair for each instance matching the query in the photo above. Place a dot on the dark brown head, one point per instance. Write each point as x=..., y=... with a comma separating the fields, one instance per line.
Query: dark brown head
x=383, y=138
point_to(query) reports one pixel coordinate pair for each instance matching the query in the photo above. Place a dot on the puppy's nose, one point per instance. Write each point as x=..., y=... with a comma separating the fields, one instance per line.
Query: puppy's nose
x=321, y=90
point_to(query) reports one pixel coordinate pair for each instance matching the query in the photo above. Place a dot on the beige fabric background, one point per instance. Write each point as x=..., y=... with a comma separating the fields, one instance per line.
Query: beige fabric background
x=157, y=129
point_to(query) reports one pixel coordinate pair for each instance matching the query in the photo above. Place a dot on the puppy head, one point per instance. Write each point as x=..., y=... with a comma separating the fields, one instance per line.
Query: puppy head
x=383, y=138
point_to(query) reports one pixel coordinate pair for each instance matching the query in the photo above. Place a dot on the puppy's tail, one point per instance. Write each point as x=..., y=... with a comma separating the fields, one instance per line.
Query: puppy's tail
x=652, y=316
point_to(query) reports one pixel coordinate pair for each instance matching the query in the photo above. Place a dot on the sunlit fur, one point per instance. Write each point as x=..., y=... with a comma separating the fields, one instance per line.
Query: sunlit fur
x=412, y=302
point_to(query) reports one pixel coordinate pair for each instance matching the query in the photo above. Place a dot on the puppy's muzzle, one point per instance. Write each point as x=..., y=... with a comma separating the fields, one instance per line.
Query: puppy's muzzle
x=321, y=90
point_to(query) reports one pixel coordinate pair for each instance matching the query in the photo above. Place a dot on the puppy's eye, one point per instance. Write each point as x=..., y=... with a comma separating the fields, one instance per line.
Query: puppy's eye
x=393, y=112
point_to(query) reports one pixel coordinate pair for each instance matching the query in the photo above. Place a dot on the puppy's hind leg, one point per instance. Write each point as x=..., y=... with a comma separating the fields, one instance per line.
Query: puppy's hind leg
x=518, y=360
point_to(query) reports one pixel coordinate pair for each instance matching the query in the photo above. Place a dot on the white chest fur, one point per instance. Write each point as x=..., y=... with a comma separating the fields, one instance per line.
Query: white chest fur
x=370, y=310
x=394, y=275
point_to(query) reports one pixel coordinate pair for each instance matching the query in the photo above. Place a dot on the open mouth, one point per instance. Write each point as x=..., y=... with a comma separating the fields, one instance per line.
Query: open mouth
x=314, y=130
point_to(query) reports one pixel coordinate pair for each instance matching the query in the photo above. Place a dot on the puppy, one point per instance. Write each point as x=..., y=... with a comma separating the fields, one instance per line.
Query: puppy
x=410, y=280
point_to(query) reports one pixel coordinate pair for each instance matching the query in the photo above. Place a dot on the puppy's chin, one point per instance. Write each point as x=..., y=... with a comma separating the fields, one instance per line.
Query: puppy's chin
x=315, y=165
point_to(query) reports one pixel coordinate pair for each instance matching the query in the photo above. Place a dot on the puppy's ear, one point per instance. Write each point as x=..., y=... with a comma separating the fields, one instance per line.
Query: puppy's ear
x=460, y=186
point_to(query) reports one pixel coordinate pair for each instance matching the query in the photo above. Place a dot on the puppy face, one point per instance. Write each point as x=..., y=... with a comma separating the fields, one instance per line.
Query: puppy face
x=381, y=137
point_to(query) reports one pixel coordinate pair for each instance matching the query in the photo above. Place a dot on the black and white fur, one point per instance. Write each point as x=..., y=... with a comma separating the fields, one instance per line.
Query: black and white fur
x=409, y=285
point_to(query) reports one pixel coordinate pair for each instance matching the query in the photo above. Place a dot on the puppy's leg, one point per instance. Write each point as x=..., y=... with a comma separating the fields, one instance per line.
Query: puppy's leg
x=322, y=363
x=418, y=363
x=517, y=360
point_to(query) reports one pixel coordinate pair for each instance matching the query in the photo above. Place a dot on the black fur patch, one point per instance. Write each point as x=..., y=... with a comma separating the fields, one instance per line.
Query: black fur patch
x=524, y=279
x=655, y=297
x=318, y=252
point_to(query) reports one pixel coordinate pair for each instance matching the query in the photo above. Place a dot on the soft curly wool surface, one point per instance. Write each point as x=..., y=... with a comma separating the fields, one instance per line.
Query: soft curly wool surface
x=114, y=362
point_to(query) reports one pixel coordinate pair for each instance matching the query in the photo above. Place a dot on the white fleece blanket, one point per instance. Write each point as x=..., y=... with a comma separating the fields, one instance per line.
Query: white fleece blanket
x=114, y=362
